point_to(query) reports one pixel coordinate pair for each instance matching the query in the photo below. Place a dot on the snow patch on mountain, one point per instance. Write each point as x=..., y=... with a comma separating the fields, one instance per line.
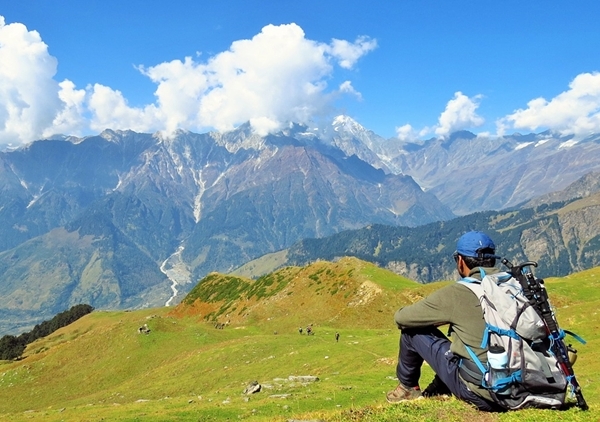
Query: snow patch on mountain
x=523, y=145
x=568, y=144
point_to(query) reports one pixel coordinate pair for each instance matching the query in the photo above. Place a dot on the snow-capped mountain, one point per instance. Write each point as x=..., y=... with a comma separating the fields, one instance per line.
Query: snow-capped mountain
x=125, y=219
x=470, y=173
x=114, y=220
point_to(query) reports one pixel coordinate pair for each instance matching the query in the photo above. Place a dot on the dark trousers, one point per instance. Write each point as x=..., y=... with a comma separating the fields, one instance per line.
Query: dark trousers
x=430, y=345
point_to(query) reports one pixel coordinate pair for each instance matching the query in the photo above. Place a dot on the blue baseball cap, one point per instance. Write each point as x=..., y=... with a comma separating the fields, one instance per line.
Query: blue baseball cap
x=471, y=242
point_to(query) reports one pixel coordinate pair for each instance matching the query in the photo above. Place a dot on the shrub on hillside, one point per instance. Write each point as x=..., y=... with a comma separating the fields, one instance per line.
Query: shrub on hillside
x=11, y=347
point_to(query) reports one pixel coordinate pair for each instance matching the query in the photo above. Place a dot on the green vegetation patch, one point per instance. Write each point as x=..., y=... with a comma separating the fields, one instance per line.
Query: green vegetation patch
x=217, y=288
x=386, y=278
x=102, y=368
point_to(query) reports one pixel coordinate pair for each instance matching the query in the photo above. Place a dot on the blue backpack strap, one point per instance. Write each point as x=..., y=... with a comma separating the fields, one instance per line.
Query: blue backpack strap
x=475, y=360
x=469, y=280
x=501, y=383
x=500, y=331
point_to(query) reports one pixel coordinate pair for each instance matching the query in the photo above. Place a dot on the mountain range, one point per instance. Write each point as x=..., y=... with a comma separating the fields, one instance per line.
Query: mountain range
x=131, y=220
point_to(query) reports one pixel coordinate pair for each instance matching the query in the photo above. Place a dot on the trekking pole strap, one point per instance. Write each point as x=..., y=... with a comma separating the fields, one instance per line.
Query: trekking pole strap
x=575, y=336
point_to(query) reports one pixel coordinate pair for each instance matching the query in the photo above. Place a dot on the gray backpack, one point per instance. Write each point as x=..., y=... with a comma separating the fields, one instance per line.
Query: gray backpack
x=521, y=371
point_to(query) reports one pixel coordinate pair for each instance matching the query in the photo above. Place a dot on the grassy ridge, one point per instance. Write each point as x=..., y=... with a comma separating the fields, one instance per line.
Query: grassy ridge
x=101, y=368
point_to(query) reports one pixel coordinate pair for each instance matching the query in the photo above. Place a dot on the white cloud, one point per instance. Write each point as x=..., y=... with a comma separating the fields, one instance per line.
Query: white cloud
x=181, y=86
x=347, y=88
x=460, y=114
x=277, y=76
x=28, y=93
x=348, y=53
x=406, y=133
x=575, y=111
x=70, y=119
x=110, y=111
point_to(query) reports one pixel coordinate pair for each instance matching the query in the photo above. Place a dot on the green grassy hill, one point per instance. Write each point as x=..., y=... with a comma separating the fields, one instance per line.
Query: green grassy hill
x=185, y=369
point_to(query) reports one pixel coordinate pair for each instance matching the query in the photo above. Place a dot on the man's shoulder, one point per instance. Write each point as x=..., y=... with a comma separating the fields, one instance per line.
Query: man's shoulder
x=453, y=290
x=459, y=291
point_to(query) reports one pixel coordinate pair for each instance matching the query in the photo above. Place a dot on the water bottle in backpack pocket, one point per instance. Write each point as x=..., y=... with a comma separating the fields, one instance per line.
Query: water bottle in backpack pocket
x=497, y=376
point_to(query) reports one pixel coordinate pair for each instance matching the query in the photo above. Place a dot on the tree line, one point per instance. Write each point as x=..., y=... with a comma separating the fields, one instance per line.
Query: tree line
x=428, y=249
x=12, y=347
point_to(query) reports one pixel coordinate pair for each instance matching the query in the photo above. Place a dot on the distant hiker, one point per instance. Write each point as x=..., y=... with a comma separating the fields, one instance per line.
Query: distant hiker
x=337, y=337
x=300, y=330
x=308, y=330
x=459, y=307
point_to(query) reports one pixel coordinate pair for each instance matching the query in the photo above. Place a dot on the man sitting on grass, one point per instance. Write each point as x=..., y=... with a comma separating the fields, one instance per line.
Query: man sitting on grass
x=421, y=340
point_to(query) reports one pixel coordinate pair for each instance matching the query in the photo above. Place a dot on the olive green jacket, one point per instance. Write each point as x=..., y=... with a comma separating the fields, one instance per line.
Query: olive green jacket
x=457, y=306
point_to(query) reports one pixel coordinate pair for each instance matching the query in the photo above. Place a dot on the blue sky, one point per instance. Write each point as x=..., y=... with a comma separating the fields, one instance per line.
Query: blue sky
x=412, y=69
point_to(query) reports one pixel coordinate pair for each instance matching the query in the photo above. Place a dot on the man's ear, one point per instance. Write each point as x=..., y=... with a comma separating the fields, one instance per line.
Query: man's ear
x=463, y=270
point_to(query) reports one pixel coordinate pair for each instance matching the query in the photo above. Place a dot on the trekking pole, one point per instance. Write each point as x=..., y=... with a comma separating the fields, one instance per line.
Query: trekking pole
x=535, y=291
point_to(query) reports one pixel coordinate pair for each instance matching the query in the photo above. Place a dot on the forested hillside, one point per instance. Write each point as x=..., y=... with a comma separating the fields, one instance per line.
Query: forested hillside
x=563, y=237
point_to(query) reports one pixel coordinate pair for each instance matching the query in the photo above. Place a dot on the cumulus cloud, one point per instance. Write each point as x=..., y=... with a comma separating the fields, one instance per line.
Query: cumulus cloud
x=70, y=116
x=348, y=53
x=276, y=76
x=347, y=88
x=460, y=114
x=29, y=97
x=406, y=133
x=575, y=111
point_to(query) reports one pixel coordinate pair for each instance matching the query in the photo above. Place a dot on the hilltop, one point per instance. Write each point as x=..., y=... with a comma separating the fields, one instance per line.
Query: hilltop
x=347, y=293
x=102, y=368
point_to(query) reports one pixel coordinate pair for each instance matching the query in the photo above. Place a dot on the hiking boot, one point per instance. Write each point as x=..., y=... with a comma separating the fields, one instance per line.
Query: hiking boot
x=436, y=388
x=402, y=393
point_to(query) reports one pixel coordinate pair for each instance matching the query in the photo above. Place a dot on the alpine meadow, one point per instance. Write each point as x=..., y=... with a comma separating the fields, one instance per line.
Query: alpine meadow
x=197, y=360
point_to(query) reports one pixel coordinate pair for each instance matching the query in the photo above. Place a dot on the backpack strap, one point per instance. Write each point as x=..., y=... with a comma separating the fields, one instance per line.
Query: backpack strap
x=470, y=372
x=500, y=384
x=489, y=328
x=476, y=360
x=469, y=280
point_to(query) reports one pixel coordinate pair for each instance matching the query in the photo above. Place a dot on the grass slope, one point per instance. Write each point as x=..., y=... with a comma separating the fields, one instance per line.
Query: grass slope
x=101, y=368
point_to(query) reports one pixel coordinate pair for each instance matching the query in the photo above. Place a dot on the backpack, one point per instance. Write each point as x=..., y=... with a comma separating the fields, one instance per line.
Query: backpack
x=530, y=376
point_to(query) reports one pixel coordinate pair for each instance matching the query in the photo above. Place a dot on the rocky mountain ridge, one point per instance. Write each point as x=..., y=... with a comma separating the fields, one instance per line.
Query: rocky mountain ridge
x=471, y=173
x=128, y=220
